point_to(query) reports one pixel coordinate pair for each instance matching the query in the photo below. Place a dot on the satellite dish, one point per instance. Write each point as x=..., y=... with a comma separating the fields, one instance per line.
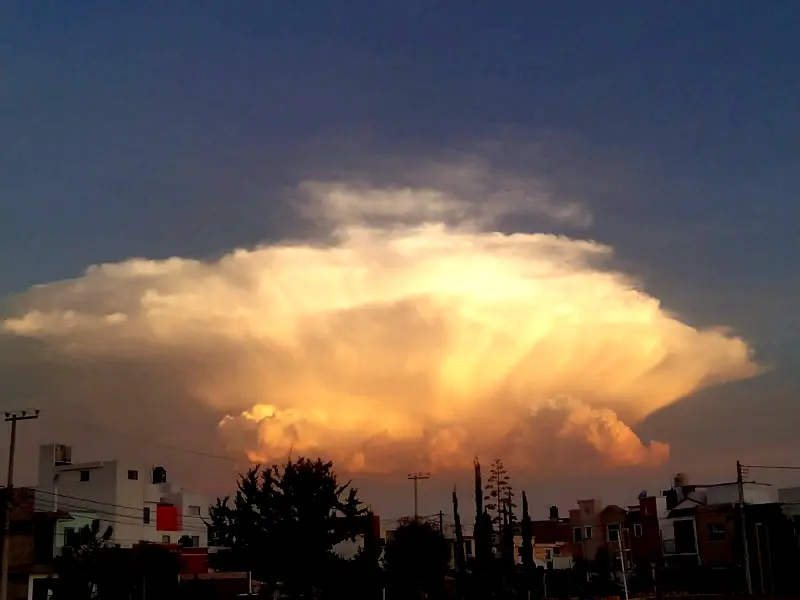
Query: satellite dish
x=643, y=494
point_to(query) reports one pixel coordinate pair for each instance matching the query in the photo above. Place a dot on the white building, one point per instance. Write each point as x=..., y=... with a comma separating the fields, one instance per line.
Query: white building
x=137, y=501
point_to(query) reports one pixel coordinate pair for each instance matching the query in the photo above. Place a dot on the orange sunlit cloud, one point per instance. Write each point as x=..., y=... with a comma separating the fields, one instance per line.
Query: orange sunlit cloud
x=415, y=335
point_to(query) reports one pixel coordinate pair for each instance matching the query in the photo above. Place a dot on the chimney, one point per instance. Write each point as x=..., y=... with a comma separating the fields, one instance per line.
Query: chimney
x=159, y=475
x=554, y=513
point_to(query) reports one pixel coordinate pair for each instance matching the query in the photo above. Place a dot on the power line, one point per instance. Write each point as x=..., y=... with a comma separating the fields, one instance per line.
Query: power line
x=99, y=502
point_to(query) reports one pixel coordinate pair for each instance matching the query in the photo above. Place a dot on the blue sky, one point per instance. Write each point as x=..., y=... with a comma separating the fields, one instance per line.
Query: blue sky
x=157, y=129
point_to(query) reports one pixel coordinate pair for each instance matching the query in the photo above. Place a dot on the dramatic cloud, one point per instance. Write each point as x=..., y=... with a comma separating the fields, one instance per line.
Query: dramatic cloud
x=413, y=337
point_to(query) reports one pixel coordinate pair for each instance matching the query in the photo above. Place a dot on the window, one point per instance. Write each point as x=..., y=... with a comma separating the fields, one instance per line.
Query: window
x=716, y=532
x=165, y=539
x=468, y=547
x=84, y=475
x=196, y=541
x=576, y=534
x=146, y=515
x=556, y=551
x=613, y=532
x=194, y=511
x=548, y=554
x=637, y=530
x=133, y=475
x=70, y=537
x=588, y=533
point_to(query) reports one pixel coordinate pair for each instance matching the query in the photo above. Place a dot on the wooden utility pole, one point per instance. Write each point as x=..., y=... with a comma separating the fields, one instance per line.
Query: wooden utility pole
x=415, y=477
x=13, y=417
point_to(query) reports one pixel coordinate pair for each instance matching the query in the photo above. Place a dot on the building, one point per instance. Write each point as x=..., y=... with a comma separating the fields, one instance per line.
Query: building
x=643, y=532
x=587, y=527
x=30, y=558
x=699, y=526
x=137, y=501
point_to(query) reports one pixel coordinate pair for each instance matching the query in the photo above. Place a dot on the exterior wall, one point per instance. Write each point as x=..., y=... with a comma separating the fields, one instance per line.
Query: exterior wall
x=30, y=543
x=716, y=550
x=644, y=533
x=587, y=515
x=616, y=516
x=116, y=500
x=789, y=495
x=728, y=493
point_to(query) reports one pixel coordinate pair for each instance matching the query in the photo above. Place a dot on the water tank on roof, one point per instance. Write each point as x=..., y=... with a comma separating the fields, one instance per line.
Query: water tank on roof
x=159, y=475
x=62, y=455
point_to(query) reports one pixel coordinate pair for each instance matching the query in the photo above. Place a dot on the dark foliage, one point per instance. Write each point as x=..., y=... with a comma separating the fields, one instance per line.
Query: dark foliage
x=526, y=530
x=93, y=569
x=417, y=561
x=483, y=524
x=283, y=522
x=499, y=495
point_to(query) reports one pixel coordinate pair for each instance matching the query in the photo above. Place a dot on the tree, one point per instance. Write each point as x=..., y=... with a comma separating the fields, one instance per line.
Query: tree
x=185, y=541
x=526, y=530
x=499, y=494
x=284, y=521
x=459, y=549
x=417, y=560
x=80, y=565
x=483, y=523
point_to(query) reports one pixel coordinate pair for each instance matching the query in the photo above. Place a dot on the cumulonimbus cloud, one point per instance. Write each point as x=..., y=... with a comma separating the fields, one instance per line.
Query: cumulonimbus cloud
x=415, y=336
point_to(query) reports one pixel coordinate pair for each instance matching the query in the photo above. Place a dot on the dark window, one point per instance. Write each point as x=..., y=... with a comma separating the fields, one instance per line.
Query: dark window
x=577, y=535
x=196, y=541
x=133, y=475
x=146, y=515
x=84, y=475
x=70, y=537
x=468, y=547
x=556, y=551
x=588, y=534
x=684, y=537
x=165, y=539
x=637, y=530
x=613, y=532
x=20, y=528
x=716, y=532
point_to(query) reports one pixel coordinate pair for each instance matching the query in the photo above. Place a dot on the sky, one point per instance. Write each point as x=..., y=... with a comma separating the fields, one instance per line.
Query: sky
x=403, y=234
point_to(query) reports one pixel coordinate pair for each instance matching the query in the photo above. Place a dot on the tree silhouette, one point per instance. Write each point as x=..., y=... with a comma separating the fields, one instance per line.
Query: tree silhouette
x=483, y=523
x=417, y=560
x=459, y=549
x=499, y=494
x=91, y=568
x=526, y=530
x=284, y=521
x=80, y=567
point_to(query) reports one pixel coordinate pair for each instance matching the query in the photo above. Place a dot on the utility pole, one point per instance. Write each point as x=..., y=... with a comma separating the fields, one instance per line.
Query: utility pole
x=12, y=417
x=746, y=550
x=415, y=477
x=441, y=523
